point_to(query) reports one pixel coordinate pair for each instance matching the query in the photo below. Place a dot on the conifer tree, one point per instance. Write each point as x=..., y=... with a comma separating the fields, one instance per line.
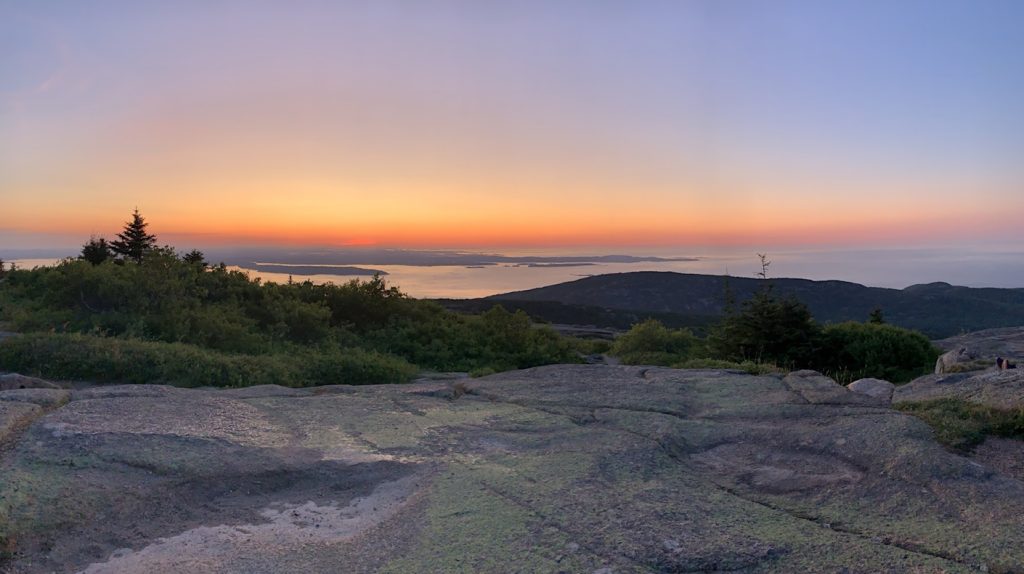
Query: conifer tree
x=877, y=316
x=195, y=257
x=96, y=250
x=134, y=241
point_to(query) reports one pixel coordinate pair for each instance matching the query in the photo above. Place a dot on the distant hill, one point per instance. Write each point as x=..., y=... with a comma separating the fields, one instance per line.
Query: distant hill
x=937, y=309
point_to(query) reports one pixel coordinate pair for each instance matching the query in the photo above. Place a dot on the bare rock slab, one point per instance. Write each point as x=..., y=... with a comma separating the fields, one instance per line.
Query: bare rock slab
x=568, y=468
x=989, y=343
x=997, y=389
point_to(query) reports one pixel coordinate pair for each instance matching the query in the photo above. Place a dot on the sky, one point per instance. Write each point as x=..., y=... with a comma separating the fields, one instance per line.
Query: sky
x=475, y=124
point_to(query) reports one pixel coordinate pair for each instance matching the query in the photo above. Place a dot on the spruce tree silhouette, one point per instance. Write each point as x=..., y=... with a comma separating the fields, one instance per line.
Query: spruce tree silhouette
x=134, y=241
x=96, y=250
x=195, y=257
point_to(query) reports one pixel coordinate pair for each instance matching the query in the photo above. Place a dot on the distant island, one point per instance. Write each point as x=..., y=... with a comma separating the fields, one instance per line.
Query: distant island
x=248, y=256
x=562, y=264
x=305, y=270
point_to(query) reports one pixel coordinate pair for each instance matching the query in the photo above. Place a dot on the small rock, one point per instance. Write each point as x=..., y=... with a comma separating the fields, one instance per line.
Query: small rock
x=877, y=388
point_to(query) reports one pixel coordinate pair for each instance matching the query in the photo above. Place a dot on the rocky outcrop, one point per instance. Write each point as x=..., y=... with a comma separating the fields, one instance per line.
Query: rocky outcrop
x=998, y=389
x=875, y=388
x=556, y=469
x=990, y=343
x=10, y=381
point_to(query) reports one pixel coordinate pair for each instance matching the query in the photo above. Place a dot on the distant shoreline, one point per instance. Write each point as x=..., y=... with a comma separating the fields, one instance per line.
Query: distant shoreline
x=307, y=270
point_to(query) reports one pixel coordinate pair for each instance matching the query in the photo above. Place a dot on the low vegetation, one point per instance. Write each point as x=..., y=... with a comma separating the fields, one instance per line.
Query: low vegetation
x=95, y=358
x=129, y=311
x=297, y=333
x=961, y=424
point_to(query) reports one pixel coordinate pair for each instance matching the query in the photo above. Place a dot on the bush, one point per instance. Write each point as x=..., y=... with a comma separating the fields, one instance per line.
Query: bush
x=651, y=343
x=356, y=367
x=106, y=359
x=589, y=346
x=850, y=351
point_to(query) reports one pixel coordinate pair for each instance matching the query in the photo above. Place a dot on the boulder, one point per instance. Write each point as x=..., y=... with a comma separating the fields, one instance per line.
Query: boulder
x=15, y=381
x=877, y=388
x=816, y=388
x=957, y=360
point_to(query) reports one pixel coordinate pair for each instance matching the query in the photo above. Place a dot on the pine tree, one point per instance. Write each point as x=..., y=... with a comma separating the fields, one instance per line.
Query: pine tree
x=134, y=242
x=876, y=316
x=96, y=251
x=195, y=257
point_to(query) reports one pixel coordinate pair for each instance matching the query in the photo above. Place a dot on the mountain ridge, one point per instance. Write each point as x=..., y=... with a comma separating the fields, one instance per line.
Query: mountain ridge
x=938, y=309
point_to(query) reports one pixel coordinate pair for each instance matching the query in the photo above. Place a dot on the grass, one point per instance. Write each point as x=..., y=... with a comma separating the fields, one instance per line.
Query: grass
x=962, y=425
x=749, y=367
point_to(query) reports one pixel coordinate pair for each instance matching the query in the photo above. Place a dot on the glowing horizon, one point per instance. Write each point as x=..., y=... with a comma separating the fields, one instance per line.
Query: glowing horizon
x=454, y=124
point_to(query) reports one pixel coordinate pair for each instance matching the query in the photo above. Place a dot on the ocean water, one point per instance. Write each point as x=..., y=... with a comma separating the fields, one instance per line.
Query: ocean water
x=990, y=266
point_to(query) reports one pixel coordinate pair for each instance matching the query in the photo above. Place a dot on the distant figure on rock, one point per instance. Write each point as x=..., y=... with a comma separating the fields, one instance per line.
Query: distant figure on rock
x=1005, y=364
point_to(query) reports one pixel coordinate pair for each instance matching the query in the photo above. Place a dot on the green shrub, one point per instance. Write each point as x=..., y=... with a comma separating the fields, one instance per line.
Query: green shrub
x=356, y=367
x=850, y=351
x=961, y=424
x=651, y=343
